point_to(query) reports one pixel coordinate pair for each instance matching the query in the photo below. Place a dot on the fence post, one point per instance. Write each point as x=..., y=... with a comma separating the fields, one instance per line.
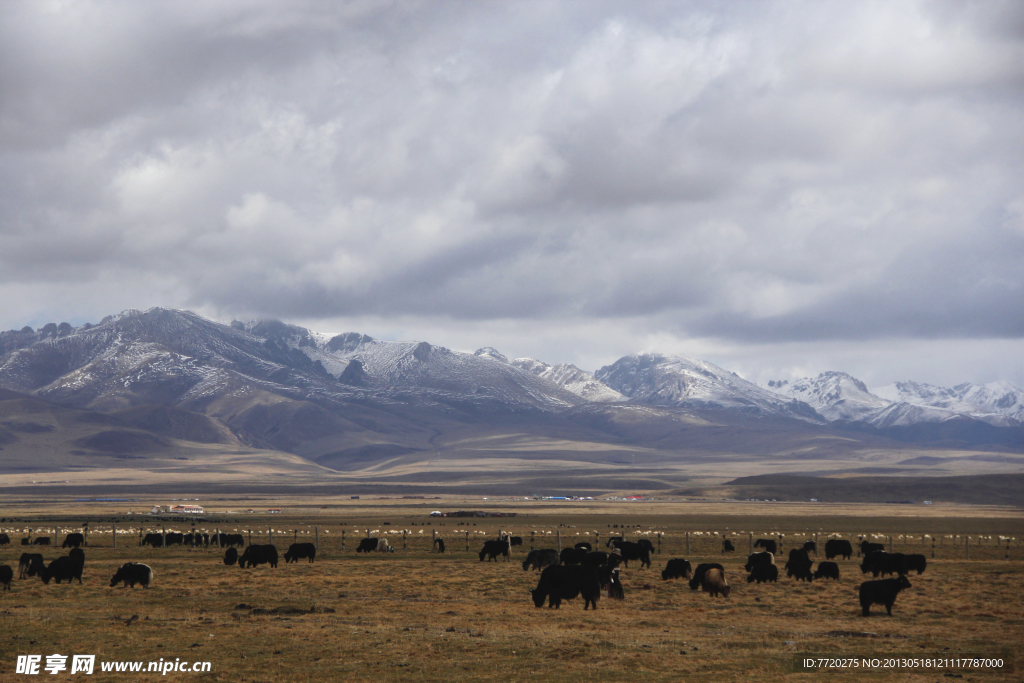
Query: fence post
x=967, y=547
x=250, y=536
x=342, y=539
x=316, y=530
x=113, y=530
x=559, y=531
x=163, y=534
x=890, y=544
x=140, y=535
x=751, y=543
x=659, y=542
x=270, y=535
x=296, y=532
x=933, y=547
x=532, y=533
x=687, y=543
x=56, y=536
x=1007, y=549
x=467, y=540
x=405, y=539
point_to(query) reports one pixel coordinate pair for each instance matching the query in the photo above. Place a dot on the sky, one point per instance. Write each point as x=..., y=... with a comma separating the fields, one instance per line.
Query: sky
x=781, y=188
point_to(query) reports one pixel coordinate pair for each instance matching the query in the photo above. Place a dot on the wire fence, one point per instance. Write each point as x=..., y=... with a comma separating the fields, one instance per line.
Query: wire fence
x=336, y=539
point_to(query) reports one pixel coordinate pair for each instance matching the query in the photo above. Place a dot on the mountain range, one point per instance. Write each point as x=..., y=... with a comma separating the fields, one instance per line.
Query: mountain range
x=163, y=386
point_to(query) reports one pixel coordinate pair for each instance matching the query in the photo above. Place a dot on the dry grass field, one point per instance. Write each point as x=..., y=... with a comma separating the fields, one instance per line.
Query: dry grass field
x=418, y=616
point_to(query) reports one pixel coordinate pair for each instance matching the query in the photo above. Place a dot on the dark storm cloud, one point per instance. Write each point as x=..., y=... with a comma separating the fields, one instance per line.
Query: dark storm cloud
x=751, y=172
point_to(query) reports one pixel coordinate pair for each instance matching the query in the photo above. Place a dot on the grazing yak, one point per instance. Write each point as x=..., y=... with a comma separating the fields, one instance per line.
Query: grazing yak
x=230, y=556
x=698, y=574
x=41, y=540
x=769, y=545
x=763, y=573
x=799, y=565
x=827, y=570
x=572, y=555
x=866, y=547
x=63, y=569
x=727, y=546
x=226, y=540
x=559, y=583
x=131, y=573
x=30, y=564
x=676, y=569
x=439, y=544
x=492, y=549
x=367, y=545
x=634, y=551
x=155, y=540
x=881, y=562
x=837, y=547
x=6, y=574
x=515, y=540
x=882, y=592
x=642, y=543
x=756, y=559
x=73, y=540
x=540, y=558
x=5, y=539
x=612, y=540
x=715, y=583
x=258, y=554
x=917, y=562
x=586, y=546
x=596, y=558
x=299, y=551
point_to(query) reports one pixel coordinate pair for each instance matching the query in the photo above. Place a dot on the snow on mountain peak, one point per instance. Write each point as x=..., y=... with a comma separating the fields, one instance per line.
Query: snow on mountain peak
x=491, y=352
x=656, y=379
x=835, y=395
x=579, y=382
x=984, y=401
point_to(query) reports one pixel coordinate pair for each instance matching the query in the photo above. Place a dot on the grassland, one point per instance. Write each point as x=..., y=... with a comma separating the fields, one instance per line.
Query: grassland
x=418, y=616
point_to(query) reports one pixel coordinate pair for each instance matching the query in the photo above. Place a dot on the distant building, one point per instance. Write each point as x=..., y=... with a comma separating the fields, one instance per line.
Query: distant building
x=187, y=510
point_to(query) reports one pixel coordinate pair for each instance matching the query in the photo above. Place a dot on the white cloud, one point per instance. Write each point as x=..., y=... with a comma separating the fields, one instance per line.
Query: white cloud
x=748, y=175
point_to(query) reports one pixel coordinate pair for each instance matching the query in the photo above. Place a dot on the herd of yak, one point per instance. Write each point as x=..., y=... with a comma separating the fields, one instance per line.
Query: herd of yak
x=565, y=575
x=582, y=571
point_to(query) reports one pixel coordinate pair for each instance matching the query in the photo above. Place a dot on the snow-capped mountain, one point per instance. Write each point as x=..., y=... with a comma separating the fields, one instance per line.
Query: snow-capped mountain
x=983, y=401
x=835, y=395
x=654, y=379
x=579, y=382
x=328, y=398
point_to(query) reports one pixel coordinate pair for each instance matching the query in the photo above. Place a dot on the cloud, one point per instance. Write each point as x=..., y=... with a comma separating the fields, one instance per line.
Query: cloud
x=756, y=173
